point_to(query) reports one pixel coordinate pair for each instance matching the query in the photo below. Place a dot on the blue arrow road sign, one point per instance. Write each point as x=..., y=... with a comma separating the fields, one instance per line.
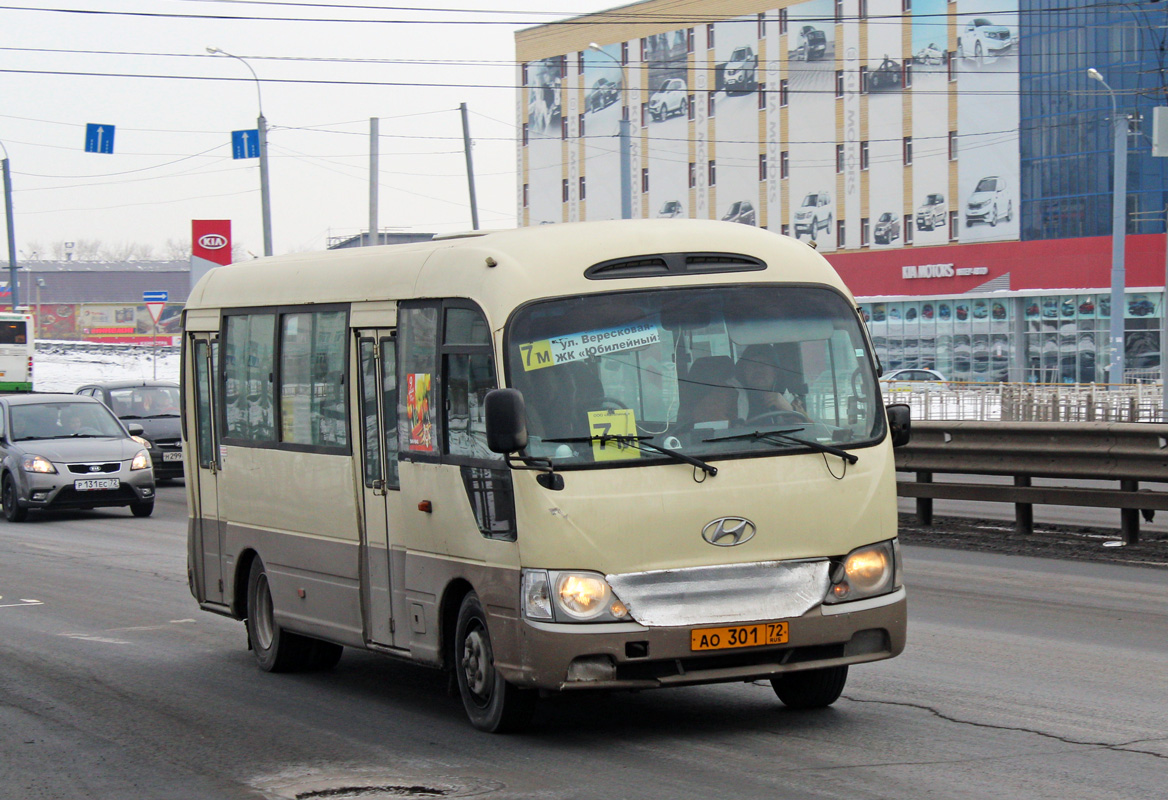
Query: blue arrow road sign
x=155, y=297
x=99, y=138
x=245, y=144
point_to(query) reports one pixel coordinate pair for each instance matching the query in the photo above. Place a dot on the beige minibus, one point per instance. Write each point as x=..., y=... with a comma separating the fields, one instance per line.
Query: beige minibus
x=566, y=458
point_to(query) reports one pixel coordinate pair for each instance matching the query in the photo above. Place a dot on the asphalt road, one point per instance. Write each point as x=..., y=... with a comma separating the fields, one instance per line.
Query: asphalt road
x=1023, y=678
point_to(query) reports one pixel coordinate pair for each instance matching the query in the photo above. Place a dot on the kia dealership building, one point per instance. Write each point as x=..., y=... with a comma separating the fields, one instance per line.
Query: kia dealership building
x=953, y=160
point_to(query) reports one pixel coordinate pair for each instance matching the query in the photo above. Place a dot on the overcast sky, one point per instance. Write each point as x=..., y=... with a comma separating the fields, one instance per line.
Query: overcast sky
x=172, y=157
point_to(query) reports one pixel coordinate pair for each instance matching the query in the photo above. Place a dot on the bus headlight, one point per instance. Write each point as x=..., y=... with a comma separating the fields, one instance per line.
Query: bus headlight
x=570, y=597
x=867, y=571
x=141, y=461
x=37, y=464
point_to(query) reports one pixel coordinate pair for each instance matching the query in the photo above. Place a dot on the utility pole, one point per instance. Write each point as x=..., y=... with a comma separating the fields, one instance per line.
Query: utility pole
x=1115, y=372
x=374, y=170
x=262, y=132
x=474, y=206
x=11, y=230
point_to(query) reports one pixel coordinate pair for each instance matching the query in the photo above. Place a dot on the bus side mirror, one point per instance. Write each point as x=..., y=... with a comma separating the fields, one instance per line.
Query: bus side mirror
x=506, y=421
x=900, y=424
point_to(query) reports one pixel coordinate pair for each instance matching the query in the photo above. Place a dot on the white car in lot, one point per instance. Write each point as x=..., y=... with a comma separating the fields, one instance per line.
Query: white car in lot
x=670, y=99
x=989, y=202
x=913, y=380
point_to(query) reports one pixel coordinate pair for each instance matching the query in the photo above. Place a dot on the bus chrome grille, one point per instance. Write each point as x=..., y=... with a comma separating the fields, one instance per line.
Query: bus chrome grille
x=729, y=593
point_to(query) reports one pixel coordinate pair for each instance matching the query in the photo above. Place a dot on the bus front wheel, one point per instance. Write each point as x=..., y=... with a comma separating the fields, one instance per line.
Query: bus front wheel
x=812, y=688
x=492, y=704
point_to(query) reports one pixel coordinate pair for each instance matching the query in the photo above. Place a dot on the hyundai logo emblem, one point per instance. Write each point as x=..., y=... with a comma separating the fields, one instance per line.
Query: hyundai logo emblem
x=728, y=531
x=213, y=241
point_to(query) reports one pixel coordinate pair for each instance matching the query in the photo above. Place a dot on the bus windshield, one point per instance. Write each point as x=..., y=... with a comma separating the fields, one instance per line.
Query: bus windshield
x=697, y=371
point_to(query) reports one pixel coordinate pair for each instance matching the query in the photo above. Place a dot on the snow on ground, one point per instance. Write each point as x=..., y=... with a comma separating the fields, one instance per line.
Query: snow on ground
x=63, y=366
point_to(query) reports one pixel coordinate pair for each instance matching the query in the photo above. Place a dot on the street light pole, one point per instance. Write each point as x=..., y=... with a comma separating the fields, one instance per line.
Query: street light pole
x=626, y=135
x=262, y=135
x=11, y=228
x=1118, y=235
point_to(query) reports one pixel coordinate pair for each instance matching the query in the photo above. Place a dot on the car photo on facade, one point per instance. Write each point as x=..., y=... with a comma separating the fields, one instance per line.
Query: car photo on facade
x=671, y=208
x=61, y=451
x=887, y=228
x=741, y=74
x=812, y=44
x=885, y=76
x=154, y=405
x=989, y=202
x=932, y=212
x=602, y=95
x=670, y=99
x=930, y=55
x=984, y=41
x=813, y=215
x=740, y=211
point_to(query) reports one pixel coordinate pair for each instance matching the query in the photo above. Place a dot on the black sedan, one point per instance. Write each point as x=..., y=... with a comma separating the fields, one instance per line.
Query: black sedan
x=155, y=406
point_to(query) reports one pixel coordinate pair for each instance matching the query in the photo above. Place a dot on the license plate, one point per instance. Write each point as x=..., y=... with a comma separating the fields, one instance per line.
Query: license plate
x=91, y=484
x=172, y=456
x=738, y=636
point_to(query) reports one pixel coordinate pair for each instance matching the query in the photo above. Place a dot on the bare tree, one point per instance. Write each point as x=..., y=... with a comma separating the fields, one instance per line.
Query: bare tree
x=177, y=250
x=127, y=251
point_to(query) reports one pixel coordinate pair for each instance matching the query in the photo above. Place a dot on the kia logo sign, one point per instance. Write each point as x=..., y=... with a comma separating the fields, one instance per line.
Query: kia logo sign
x=212, y=241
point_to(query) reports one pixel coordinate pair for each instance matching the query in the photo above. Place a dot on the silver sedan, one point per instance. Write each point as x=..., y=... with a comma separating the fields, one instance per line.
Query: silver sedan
x=64, y=451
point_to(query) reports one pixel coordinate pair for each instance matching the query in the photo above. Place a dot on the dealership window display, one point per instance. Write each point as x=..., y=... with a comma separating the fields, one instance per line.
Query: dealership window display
x=1056, y=338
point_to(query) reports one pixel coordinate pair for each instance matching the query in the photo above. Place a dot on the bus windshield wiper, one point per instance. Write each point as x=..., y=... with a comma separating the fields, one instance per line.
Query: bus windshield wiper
x=640, y=443
x=784, y=436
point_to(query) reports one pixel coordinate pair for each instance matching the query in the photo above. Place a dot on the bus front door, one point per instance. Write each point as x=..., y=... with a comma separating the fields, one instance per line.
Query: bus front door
x=377, y=352
x=207, y=534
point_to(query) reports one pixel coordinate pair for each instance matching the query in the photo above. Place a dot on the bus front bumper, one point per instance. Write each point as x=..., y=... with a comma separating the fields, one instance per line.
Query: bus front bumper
x=561, y=657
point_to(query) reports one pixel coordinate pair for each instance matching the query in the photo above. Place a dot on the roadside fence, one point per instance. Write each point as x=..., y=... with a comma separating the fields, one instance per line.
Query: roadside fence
x=1034, y=402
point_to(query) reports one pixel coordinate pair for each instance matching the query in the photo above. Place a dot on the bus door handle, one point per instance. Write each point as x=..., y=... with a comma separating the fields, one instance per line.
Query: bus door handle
x=378, y=486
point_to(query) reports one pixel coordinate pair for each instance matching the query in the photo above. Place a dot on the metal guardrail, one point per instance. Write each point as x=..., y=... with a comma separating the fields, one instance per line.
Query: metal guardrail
x=1108, y=451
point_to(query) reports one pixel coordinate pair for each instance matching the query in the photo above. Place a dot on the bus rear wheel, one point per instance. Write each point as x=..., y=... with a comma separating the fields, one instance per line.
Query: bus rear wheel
x=811, y=688
x=275, y=649
x=492, y=704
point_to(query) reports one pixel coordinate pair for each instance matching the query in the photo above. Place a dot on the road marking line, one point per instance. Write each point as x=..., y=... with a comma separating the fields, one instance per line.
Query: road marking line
x=22, y=604
x=85, y=637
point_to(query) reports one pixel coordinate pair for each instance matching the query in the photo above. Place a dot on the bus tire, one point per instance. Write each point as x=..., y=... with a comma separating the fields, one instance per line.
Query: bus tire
x=275, y=649
x=811, y=688
x=12, y=509
x=492, y=704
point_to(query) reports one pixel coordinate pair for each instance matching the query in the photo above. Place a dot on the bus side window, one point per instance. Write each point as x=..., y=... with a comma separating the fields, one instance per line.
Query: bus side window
x=468, y=374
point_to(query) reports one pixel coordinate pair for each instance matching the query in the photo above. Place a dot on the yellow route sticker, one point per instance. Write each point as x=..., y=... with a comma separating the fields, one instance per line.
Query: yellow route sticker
x=536, y=355
x=612, y=422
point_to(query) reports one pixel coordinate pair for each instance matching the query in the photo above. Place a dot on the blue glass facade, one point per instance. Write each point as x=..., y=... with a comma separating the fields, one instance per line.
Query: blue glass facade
x=1065, y=136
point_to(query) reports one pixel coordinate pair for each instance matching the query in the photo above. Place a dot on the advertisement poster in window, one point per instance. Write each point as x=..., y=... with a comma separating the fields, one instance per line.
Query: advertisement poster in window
x=418, y=413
